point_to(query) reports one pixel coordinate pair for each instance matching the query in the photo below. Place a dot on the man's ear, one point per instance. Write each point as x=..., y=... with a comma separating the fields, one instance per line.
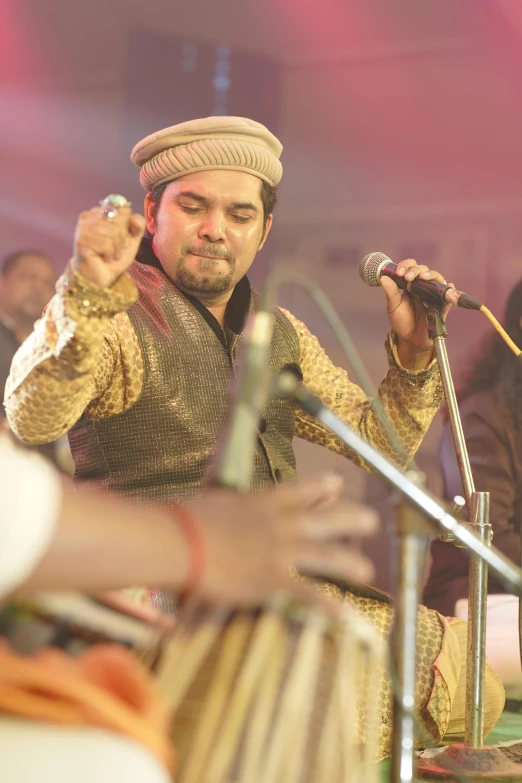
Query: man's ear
x=148, y=210
x=268, y=226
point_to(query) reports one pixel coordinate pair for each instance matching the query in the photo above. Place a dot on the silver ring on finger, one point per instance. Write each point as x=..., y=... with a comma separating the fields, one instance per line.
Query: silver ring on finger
x=111, y=205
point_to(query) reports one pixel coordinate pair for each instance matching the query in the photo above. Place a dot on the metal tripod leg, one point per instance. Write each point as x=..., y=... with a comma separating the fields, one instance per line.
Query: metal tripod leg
x=414, y=533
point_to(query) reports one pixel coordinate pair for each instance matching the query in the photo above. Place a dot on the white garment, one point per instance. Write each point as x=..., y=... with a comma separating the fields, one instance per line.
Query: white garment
x=29, y=504
x=32, y=752
x=502, y=639
x=30, y=494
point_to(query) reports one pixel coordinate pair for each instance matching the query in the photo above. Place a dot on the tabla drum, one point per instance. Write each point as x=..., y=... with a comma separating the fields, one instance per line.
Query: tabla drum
x=272, y=695
x=73, y=622
x=279, y=695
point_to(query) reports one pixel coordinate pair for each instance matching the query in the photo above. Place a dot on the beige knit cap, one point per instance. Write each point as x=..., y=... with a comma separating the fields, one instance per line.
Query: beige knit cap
x=234, y=143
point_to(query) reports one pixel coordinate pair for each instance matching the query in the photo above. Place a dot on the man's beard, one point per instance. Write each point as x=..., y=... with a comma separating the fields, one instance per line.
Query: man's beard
x=199, y=283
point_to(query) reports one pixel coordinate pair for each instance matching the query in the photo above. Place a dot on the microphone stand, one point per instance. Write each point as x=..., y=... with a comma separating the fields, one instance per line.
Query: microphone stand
x=413, y=532
x=233, y=464
x=418, y=510
x=472, y=758
x=478, y=507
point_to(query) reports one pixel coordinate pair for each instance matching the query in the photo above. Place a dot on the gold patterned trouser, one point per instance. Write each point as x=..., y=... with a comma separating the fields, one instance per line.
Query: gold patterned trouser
x=441, y=676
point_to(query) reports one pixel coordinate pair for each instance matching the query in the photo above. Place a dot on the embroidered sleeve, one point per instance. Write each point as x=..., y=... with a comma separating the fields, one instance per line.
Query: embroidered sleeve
x=71, y=360
x=410, y=399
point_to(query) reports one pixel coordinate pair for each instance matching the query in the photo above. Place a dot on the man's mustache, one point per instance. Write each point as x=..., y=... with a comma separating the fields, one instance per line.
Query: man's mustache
x=210, y=252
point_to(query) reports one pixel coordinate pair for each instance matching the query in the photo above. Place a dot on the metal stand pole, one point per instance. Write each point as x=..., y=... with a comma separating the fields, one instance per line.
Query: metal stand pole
x=472, y=759
x=476, y=662
x=414, y=533
x=438, y=332
x=437, y=328
x=478, y=505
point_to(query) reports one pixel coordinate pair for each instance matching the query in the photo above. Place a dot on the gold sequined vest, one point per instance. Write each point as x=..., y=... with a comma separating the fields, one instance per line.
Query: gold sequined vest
x=161, y=447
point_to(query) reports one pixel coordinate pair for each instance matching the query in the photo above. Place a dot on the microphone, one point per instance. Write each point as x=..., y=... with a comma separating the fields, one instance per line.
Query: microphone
x=374, y=265
x=235, y=455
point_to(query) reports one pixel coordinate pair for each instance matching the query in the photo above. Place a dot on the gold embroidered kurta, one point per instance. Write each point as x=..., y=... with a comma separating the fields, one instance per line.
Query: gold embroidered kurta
x=84, y=358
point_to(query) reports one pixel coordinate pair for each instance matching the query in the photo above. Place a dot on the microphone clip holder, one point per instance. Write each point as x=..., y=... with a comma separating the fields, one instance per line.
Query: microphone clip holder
x=435, y=321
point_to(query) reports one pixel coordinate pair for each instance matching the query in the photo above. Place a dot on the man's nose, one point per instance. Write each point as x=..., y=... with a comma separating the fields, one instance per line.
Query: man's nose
x=212, y=227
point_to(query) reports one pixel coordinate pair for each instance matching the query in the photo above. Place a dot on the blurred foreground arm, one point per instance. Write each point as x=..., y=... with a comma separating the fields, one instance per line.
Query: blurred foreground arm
x=89, y=542
x=250, y=544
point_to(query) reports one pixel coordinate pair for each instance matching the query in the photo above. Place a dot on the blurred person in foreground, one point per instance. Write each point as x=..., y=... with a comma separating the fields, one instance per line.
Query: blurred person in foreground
x=137, y=349
x=27, y=280
x=489, y=398
x=99, y=716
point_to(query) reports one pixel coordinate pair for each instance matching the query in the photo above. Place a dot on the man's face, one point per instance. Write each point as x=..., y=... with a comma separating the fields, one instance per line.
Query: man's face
x=27, y=287
x=209, y=227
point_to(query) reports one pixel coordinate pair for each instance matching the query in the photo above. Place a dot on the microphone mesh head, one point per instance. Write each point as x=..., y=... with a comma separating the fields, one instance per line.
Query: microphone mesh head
x=370, y=267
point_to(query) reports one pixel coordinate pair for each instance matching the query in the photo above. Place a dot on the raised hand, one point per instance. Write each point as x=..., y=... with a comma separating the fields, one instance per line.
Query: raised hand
x=104, y=247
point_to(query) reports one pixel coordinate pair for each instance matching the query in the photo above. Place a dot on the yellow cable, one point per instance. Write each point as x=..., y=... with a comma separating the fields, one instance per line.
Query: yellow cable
x=505, y=336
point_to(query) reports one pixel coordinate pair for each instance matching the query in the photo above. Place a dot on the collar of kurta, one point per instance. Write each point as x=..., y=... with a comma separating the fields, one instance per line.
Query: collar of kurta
x=238, y=305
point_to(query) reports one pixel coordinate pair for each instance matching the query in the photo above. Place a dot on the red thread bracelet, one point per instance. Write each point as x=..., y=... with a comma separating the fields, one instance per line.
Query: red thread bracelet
x=196, y=543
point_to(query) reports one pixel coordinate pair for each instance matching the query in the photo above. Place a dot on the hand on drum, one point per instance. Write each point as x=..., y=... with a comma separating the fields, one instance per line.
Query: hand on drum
x=250, y=544
x=253, y=541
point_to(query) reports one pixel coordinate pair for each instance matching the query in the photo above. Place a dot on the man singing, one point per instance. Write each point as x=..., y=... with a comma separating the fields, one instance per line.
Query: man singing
x=136, y=356
x=135, y=352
